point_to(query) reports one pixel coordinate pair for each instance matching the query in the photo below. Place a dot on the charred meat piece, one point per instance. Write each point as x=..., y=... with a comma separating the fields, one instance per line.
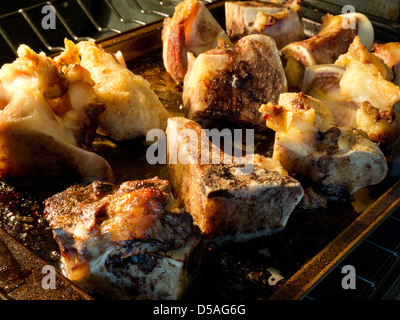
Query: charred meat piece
x=232, y=200
x=46, y=117
x=335, y=161
x=231, y=84
x=132, y=107
x=334, y=38
x=192, y=29
x=125, y=242
x=278, y=21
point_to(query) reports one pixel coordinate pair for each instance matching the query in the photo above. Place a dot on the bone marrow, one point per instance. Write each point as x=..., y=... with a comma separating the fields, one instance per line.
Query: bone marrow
x=225, y=204
x=279, y=21
x=231, y=84
x=336, y=161
x=333, y=39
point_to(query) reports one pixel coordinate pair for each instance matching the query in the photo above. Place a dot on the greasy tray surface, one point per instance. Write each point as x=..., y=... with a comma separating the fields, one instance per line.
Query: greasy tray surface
x=284, y=266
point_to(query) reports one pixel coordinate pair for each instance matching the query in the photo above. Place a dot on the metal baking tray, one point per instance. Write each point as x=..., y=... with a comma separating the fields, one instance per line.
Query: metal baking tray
x=284, y=266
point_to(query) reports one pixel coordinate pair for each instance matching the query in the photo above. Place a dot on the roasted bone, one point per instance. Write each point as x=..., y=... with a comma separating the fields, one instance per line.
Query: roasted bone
x=367, y=78
x=132, y=107
x=228, y=201
x=336, y=161
x=322, y=82
x=334, y=38
x=192, y=29
x=255, y=17
x=123, y=242
x=46, y=115
x=231, y=84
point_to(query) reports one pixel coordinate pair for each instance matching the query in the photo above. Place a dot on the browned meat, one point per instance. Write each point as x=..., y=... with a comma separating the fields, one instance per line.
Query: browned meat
x=276, y=20
x=122, y=241
x=231, y=84
x=228, y=201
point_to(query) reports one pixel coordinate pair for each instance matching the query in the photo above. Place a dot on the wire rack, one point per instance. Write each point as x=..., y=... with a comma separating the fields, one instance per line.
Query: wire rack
x=21, y=21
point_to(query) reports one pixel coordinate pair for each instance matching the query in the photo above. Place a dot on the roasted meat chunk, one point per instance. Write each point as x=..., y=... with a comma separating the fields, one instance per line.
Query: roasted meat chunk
x=46, y=117
x=230, y=200
x=359, y=93
x=126, y=242
x=373, y=78
x=231, y=83
x=276, y=20
x=132, y=108
x=390, y=54
x=334, y=38
x=335, y=161
x=191, y=30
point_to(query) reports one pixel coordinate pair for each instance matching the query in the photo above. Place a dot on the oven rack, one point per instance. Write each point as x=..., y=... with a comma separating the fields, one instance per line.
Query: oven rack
x=75, y=19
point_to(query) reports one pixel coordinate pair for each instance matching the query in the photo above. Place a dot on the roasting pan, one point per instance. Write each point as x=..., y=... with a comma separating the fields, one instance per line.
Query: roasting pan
x=286, y=266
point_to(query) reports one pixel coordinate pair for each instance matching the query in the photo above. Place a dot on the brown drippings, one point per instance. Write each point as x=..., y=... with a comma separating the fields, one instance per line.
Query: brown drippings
x=11, y=275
